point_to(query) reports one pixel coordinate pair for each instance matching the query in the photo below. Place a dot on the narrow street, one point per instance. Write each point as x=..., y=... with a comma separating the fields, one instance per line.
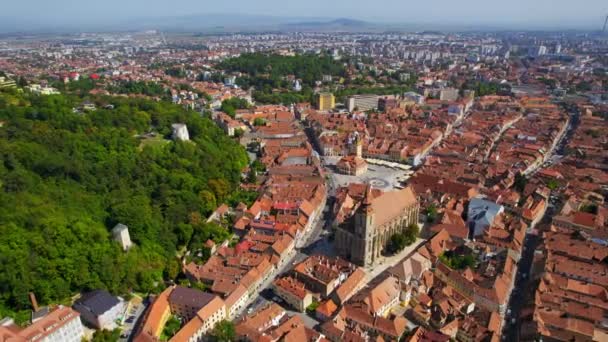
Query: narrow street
x=522, y=290
x=312, y=237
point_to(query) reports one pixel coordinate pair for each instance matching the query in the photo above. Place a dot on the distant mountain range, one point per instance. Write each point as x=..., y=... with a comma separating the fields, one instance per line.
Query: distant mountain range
x=255, y=23
x=208, y=23
x=342, y=24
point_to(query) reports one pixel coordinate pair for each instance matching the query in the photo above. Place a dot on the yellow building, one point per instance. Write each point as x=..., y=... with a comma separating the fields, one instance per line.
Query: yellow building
x=326, y=101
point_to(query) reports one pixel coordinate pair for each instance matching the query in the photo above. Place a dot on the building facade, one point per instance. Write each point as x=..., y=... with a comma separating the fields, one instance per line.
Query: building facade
x=326, y=101
x=99, y=309
x=364, y=236
x=353, y=164
x=61, y=324
x=293, y=292
x=362, y=102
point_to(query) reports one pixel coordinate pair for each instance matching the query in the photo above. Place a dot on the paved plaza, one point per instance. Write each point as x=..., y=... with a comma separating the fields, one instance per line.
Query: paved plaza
x=379, y=176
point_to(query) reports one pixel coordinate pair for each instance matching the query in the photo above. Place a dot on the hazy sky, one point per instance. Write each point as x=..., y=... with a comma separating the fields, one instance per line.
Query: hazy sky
x=567, y=13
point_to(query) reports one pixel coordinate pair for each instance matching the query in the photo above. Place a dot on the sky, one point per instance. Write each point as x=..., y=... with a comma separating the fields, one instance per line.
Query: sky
x=517, y=13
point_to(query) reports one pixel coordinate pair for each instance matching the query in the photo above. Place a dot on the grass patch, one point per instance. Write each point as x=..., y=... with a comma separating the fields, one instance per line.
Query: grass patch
x=158, y=140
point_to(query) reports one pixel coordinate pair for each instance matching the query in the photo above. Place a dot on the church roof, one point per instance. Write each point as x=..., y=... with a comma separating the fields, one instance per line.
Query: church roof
x=391, y=204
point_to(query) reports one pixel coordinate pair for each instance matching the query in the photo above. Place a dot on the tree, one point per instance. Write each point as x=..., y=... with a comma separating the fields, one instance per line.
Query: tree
x=258, y=166
x=106, y=335
x=271, y=69
x=312, y=307
x=259, y=122
x=252, y=176
x=238, y=133
x=223, y=332
x=22, y=82
x=176, y=72
x=552, y=184
x=397, y=243
x=590, y=208
x=67, y=179
x=220, y=188
x=431, y=213
x=138, y=87
x=411, y=233
x=484, y=88
x=593, y=133
x=247, y=197
x=172, y=269
x=230, y=105
x=457, y=262
x=520, y=182
x=583, y=86
x=171, y=328
x=208, y=201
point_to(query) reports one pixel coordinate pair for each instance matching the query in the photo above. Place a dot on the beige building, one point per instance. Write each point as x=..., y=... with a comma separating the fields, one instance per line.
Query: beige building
x=362, y=237
x=293, y=292
x=60, y=324
x=200, y=310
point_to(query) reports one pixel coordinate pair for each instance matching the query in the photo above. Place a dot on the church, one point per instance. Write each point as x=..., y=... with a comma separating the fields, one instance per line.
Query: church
x=362, y=237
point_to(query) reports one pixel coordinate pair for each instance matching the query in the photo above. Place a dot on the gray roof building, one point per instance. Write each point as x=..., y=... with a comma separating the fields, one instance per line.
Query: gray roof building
x=481, y=215
x=98, y=308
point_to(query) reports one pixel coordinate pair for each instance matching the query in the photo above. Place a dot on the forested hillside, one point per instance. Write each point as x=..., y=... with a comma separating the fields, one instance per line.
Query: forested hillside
x=67, y=177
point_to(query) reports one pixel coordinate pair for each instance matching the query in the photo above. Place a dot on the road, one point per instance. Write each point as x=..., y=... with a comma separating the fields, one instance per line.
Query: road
x=521, y=288
x=133, y=319
x=310, y=239
x=557, y=151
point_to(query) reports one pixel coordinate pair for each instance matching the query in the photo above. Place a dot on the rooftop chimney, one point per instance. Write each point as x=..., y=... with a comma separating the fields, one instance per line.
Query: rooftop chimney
x=34, y=302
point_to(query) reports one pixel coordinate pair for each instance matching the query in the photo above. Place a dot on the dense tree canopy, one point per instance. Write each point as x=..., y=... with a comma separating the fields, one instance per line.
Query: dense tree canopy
x=223, y=332
x=229, y=106
x=176, y=72
x=67, y=178
x=457, y=262
x=308, y=67
x=139, y=87
x=486, y=88
x=106, y=335
x=399, y=241
x=268, y=96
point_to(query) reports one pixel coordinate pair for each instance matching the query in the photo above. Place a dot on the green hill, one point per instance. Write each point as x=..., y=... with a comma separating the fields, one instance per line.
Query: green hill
x=68, y=177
